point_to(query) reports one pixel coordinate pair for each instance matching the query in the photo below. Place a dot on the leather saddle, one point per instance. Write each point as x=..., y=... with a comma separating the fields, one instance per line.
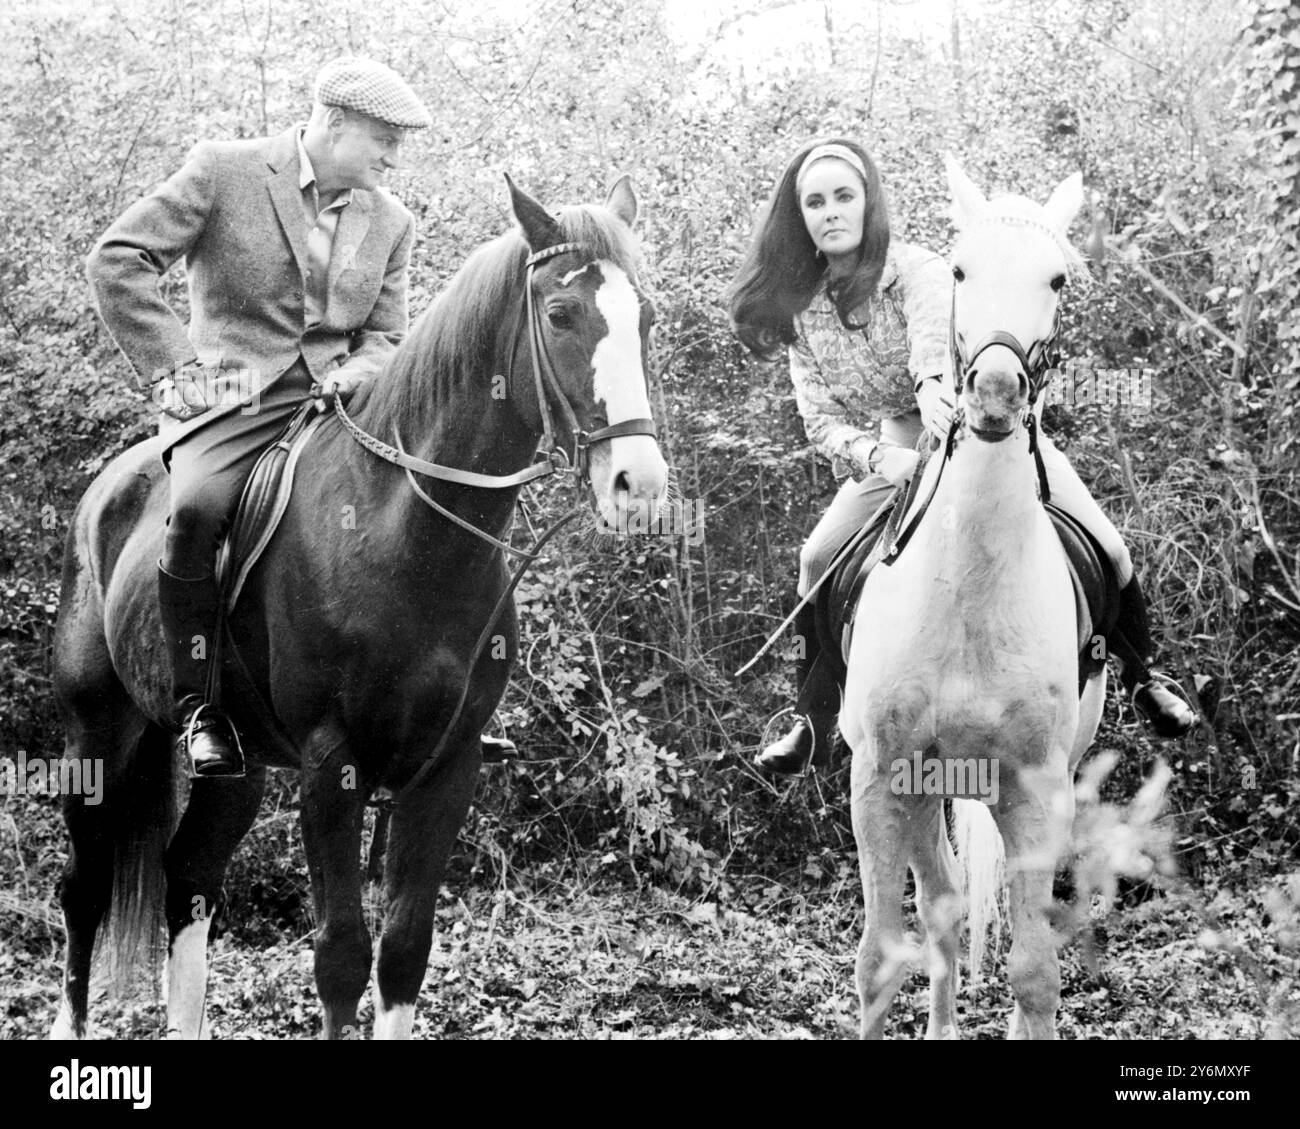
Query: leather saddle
x=262, y=504
x=1096, y=588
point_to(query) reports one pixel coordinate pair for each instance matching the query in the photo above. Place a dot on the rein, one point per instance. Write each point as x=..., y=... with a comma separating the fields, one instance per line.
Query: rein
x=1038, y=361
x=552, y=458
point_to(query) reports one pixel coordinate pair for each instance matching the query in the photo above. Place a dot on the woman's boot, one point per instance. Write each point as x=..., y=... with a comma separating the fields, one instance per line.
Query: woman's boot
x=1166, y=712
x=808, y=742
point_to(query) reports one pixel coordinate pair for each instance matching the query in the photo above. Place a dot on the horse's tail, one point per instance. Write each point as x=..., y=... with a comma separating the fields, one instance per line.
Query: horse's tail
x=983, y=860
x=146, y=806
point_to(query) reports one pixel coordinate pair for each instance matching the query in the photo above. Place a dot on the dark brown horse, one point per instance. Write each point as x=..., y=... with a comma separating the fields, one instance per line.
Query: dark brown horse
x=358, y=628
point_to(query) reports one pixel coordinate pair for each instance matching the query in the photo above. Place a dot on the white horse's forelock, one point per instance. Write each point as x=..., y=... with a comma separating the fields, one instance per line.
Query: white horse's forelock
x=1020, y=211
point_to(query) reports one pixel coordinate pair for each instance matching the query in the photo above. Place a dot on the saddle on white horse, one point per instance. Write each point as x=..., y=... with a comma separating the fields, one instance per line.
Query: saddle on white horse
x=885, y=537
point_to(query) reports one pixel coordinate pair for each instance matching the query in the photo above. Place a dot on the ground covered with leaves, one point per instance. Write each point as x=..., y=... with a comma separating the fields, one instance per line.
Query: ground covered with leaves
x=549, y=953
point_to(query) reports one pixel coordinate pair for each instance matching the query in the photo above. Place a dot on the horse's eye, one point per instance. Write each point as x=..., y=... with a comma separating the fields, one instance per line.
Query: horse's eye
x=560, y=318
x=1058, y=282
x=959, y=274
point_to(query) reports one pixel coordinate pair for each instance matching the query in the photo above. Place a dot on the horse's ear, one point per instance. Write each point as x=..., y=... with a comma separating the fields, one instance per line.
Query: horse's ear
x=968, y=202
x=622, y=200
x=1065, y=202
x=540, y=229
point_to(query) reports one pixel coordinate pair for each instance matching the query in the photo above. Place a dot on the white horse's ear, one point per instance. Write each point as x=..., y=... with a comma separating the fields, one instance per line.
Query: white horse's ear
x=968, y=202
x=1065, y=202
x=622, y=200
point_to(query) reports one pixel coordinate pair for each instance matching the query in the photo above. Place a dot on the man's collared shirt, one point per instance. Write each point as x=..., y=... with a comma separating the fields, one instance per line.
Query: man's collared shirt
x=322, y=224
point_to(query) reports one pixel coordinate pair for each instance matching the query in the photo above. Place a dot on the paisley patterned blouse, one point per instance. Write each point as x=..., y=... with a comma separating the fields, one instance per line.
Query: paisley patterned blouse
x=845, y=381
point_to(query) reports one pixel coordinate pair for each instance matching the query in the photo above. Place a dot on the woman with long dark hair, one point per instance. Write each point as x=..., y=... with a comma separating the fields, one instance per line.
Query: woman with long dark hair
x=865, y=322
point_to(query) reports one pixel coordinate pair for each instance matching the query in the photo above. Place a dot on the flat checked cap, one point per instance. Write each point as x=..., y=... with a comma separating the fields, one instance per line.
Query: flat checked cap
x=371, y=88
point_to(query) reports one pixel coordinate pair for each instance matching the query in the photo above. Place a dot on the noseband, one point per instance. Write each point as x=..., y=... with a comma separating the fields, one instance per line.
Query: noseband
x=1037, y=362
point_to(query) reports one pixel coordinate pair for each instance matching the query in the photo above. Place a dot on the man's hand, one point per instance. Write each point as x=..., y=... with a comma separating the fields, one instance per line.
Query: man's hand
x=341, y=385
x=180, y=397
x=936, y=404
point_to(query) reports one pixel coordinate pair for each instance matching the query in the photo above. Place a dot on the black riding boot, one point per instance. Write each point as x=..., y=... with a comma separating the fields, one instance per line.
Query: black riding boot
x=808, y=742
x=1167, y=713
x=189, y=608
x=497, y=750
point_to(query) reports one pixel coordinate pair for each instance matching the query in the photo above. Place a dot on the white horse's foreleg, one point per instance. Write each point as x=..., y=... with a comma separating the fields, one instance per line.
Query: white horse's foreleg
x=1033, y=825
x=939, y=905
x=878, y=827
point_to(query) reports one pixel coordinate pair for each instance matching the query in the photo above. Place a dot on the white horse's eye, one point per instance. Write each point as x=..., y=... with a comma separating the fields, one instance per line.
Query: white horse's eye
x=1058, y=282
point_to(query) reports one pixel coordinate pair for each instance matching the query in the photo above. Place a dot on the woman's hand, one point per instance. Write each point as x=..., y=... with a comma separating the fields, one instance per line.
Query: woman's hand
x=936, y=404
x=895, y=464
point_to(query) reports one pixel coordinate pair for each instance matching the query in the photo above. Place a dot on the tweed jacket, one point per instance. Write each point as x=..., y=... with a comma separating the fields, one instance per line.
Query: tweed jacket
x=847, y=381
x=235, y=212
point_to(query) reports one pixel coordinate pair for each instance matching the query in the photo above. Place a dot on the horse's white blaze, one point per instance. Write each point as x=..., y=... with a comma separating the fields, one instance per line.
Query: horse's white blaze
x=619, y=381
x=396, y=1022
x=187, y=978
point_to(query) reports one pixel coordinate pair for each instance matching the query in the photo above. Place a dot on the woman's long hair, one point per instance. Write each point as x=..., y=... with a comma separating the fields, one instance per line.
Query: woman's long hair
x=782, y=270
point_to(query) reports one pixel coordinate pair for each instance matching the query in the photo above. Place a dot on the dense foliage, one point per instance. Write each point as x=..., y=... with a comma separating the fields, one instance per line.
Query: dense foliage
x=1182, y=115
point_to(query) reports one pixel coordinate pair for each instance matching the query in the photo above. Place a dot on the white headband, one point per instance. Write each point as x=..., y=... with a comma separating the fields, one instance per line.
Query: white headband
x=839, y=152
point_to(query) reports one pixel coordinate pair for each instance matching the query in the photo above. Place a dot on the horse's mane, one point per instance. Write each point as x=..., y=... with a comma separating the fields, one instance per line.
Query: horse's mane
x=455, y=339
x=1019, y=211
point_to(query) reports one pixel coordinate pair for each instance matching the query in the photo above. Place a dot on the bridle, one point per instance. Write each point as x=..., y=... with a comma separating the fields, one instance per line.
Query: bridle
x=1037, y=361
x=552, y=458
x=544, y=378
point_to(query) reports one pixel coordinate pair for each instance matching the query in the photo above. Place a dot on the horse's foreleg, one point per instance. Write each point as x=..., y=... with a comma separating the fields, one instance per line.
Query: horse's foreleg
x=878, y=827
x=333, y=806
x=218, y=816
x=420, y=839
x=1034, y=825
x=939, y=905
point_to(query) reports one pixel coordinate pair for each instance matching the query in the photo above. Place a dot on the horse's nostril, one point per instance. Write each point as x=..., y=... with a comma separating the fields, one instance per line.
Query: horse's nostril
x=621, y=484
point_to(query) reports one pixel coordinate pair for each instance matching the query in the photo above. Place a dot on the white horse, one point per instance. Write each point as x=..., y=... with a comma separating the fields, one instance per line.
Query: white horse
x=962, y=672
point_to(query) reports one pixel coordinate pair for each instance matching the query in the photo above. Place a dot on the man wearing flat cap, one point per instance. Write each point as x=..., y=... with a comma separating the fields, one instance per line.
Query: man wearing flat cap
x=297, y=267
